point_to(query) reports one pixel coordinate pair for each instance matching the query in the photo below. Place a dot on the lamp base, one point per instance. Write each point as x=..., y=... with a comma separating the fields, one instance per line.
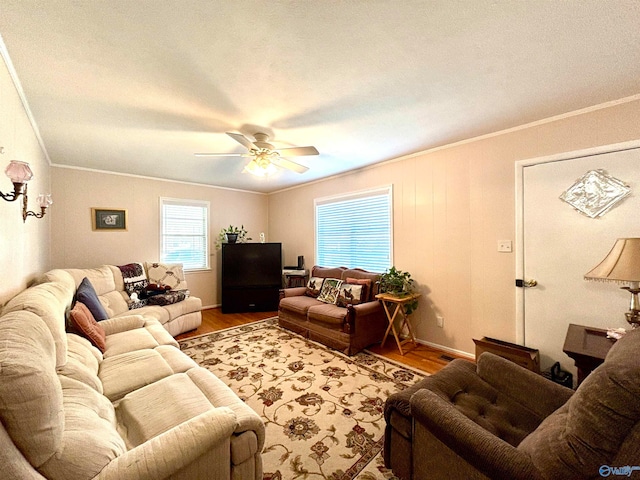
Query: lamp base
x=633, y=317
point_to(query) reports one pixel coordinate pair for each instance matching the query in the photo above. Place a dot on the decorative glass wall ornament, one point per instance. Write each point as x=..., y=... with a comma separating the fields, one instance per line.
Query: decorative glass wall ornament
x=595, y=193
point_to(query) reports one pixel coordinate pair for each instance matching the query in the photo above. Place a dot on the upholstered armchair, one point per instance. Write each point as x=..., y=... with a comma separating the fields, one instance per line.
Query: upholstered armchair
x=497, y=420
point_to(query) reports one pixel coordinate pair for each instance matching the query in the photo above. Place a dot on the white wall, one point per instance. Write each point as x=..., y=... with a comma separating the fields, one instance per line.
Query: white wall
x=24, y=247
x=451, y=206
x=76, y=245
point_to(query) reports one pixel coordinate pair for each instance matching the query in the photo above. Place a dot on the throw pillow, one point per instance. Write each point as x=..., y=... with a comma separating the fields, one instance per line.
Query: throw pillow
x=135, y=278
x=314, y=285
x=168, y=298
x=349, y=294
x=366, y=284
x=167, y=274
x=329, y=291
x=87, y=295
x=83, y=322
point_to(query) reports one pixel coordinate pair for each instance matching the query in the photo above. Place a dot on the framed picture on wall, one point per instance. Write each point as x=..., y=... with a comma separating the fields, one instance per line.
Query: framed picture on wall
x=111, y=219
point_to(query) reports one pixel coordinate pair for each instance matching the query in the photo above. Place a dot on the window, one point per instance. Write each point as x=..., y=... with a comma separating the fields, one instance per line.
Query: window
x=354, y=230
x=184, y=231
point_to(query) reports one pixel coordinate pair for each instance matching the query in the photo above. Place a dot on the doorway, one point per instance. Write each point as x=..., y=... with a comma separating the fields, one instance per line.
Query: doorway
x=556, y=245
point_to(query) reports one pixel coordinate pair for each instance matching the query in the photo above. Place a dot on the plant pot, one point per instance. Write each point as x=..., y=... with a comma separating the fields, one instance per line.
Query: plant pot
x=231, y=237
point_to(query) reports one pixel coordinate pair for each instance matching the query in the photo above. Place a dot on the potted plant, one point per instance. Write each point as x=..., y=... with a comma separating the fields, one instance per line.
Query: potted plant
x=399, y=284
x=232, y=234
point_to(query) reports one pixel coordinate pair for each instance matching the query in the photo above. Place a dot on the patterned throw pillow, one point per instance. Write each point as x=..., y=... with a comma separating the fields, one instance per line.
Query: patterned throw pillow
x=314, y=285
x=366, y=287
x=168, y=298
x=84, y=323
x=329, y=291
x=349, y=294
x=167, y=274
x=135, y=278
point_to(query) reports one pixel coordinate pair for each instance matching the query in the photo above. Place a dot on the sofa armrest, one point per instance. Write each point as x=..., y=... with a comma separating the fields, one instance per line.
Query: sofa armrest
x=122, y=324
x=530, y=389
x=362, y=314
x=292, y=292
x=486, y=452
x=173, y=450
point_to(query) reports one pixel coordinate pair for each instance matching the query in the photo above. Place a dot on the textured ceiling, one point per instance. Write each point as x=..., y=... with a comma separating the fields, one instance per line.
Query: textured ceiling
x=138, y=87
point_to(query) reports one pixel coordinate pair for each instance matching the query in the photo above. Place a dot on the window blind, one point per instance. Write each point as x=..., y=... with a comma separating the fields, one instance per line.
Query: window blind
x=184, y=233
x=355, y=230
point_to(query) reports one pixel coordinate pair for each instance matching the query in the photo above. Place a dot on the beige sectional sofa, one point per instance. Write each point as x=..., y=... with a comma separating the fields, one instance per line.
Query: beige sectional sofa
x=141, y=409
x=109, y=285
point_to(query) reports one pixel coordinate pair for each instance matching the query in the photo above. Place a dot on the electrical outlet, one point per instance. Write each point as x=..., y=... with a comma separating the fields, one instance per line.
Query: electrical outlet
x=505, y=246
x=440, y=321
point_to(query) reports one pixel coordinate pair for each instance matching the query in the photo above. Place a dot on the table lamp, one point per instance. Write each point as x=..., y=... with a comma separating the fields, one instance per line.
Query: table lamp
x=622, y=265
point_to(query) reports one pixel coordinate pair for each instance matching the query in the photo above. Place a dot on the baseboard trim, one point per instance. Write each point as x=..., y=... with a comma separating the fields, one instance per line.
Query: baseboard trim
x=460, y=353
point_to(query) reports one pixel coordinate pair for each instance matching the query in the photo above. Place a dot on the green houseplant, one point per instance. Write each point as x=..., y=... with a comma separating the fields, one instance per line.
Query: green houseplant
x=400, y=284
x=232, y=234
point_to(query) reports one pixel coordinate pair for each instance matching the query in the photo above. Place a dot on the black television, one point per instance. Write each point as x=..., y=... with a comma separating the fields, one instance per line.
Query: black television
x=251, y=265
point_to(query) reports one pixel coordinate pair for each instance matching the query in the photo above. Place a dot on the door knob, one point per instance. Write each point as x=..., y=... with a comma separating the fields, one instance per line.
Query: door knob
x=526, y=283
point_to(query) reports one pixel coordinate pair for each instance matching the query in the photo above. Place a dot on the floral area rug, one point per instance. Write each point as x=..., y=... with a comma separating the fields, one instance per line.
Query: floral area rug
x=323, y=411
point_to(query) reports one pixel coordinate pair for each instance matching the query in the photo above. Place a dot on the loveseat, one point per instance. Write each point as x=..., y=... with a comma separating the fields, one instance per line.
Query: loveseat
x=109, y=284
x=348, y=319
x=120, y=401
x=497, y=420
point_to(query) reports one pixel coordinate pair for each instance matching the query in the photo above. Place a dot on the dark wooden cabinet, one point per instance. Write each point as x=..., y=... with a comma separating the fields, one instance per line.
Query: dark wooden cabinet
x=251, y=277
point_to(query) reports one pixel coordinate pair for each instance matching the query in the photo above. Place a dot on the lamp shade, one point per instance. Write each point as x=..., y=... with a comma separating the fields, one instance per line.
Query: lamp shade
x=622, y=264
x=44, y=200
x=18, y=172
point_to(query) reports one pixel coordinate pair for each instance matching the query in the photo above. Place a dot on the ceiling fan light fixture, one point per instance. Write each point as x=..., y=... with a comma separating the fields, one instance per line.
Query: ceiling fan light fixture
x=260, y=169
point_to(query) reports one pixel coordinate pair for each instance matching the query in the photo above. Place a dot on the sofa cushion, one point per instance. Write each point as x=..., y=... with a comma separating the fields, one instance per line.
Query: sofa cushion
x=299, y=304
x=129, y=371
x=30, y=393
x=89, y=440
x=167, y=274
x=327, y=272
x=49, y=301
x=314, y=285
x=327, y=313
x=87, y=295
x=156, y=408
x=589, y=430
x=82, y=363
x=83, y=322
x=329, y=291
x=151, y=335
x=350, y=294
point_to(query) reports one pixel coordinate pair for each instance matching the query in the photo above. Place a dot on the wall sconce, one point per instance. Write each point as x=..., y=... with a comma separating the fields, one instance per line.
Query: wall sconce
x=20, y=173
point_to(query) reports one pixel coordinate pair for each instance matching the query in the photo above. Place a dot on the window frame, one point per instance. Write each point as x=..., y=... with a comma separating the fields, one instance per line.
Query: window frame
x=372, y=192
x=186, y=202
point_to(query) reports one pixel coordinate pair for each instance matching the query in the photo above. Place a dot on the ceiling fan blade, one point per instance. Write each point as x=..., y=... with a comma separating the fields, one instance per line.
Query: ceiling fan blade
x=289, y=165
x=297, y=151
x=219, y=154
x=242, y=140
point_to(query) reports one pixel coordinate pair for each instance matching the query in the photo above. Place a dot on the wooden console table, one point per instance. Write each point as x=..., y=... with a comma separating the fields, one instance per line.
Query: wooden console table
x=587, y=346
x=392, y=307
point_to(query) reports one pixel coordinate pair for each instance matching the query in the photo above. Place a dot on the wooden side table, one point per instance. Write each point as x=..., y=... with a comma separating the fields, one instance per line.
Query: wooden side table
x=392, y=307
x=587, y=346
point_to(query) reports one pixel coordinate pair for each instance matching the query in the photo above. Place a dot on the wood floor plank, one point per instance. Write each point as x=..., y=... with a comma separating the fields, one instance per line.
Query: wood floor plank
x=422, y=357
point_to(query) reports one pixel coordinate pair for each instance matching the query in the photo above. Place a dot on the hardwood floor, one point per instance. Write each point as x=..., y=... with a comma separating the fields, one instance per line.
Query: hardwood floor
x=422, y=357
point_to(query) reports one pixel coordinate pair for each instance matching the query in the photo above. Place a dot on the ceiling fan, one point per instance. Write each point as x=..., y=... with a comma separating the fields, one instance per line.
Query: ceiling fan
x=264, y=156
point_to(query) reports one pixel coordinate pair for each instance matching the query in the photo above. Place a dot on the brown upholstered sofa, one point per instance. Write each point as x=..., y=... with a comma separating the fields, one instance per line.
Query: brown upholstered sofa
x=348, y=329
x=498, y=420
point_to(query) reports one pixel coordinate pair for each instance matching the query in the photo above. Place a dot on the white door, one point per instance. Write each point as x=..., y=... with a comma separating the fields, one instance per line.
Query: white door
x=560, y=245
